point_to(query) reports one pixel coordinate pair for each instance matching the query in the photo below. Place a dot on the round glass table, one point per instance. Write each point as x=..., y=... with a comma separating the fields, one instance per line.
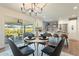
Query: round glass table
x=37, y=40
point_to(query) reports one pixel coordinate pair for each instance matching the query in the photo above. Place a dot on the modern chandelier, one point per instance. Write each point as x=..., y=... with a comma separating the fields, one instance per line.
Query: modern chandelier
x=33, y=8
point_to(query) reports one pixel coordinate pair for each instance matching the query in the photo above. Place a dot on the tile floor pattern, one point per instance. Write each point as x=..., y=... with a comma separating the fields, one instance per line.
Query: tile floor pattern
x=73, y=47
x=8, y=51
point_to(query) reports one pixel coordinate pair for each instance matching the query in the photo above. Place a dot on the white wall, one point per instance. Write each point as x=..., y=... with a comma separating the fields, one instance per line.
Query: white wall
x=72, y=33
x=2, y=32
x=78, y=28
x=72, y=29
x=63, y=21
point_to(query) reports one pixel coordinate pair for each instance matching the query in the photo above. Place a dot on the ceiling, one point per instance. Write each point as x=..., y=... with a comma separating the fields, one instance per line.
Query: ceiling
x=52, y=11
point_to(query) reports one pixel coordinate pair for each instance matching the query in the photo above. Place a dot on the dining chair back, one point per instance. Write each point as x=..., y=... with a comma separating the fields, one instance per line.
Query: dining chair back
x=53, y=51
x=59, y=47
x=20, y=51
x=14, y=48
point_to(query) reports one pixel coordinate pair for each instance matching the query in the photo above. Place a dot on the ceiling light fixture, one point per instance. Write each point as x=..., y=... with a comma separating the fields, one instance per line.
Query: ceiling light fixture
x=33, y=8
x=75, y=8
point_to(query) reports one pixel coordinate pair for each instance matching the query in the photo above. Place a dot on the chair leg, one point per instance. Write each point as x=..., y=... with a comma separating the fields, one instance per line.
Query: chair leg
x=33, y=54
x=35, y=46
x=42, y=54
x=44, y=45
x=67, y=43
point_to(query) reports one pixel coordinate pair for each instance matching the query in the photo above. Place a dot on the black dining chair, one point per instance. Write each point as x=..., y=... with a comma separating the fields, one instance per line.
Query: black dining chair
x=43, y=37
x=30, y=37
x=53, y=51
x=20, y=51
x=55, y=44
x=65, y=36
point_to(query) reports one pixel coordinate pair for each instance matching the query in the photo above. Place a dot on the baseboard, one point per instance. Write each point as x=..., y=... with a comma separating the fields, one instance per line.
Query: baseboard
x=73, y=39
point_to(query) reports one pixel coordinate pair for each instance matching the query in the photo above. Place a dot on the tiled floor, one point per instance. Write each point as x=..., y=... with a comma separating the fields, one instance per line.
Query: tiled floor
x=73, y=47
x=8, y=52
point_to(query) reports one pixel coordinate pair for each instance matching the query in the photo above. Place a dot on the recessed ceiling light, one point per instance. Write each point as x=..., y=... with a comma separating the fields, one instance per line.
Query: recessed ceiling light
x=75, y=7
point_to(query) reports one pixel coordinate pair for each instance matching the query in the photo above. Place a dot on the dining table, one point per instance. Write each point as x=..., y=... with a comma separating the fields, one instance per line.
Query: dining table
x=37, y=40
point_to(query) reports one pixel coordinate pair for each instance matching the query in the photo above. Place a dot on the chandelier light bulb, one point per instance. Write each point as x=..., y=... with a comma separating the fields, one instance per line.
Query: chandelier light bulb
x=75, y=8
x=33, y=8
